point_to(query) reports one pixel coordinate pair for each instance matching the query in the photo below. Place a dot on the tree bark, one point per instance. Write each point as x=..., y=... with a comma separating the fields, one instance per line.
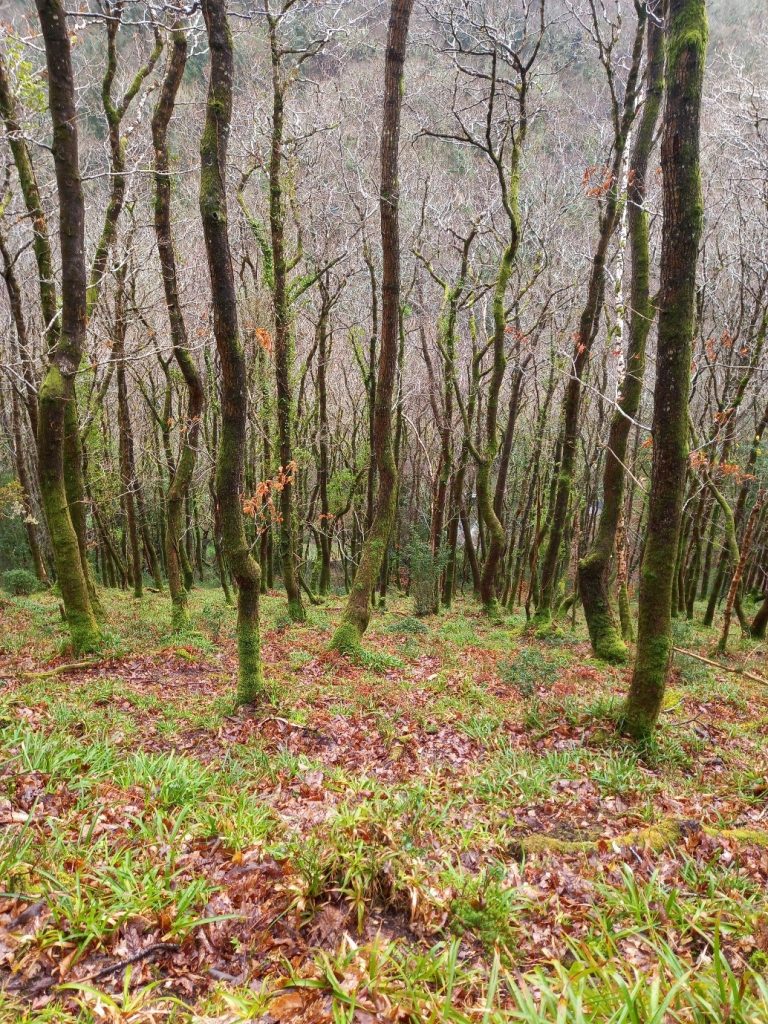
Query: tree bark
x=358, y=611
x=57, y=392
x=234, y=395
x=685, y=45
x=589, y=323
x=595, y=567
x=182, y=471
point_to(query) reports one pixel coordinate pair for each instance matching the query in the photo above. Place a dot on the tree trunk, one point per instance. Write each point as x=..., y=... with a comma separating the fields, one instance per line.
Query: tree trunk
x=685, y=44
x=589, y=323
x=57, y=391
x=358, y=611
x=234, y=395
x=181, y=473
x=125, y=439
x=595, y=568
x=738, y=572
x=284, y=355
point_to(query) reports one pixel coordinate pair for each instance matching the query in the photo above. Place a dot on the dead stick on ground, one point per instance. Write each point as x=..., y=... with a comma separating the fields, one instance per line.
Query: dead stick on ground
x=725, y=668
x=144, y=954
x=56, y=670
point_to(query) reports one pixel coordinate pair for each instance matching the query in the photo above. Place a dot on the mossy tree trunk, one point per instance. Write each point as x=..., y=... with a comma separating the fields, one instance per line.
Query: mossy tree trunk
x=324, y=342
x=284, y=347
x=595, y=567
x=685, y=45
x=115, y=111
x=57, y=391
x=443, y=407
x=234, y=395
x=738, y=573
x=182, y=470
x=19, y=347
x=128, y=476
x=358, y=611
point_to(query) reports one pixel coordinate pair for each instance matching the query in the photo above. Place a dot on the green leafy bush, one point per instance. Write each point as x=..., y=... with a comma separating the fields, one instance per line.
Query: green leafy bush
x=529, y=670
x=20, y=582
x=425, y=577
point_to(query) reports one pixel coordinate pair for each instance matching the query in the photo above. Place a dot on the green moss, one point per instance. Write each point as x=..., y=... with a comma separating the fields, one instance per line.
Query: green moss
x=607, y=641
x=296, y=611
x=747, y=836
x=346, y=638
x=601, y=621
x=655, y=837
x=642, y=708
x=687, y=30
x=250, y=681
x=179, y=613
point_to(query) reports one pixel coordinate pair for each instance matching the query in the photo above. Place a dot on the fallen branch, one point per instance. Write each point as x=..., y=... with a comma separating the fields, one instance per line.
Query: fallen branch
x=291, y=725
x=725, y=668
x=143, y=954
x=57, y=670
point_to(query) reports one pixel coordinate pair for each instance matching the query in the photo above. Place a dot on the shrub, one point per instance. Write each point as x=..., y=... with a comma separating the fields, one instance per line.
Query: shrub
x=406, y=626
x=425, y=577
x=529, y=670
x=20, y=582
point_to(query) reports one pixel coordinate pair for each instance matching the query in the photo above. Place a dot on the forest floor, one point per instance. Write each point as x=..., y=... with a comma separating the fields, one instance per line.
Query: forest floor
x=449, y=828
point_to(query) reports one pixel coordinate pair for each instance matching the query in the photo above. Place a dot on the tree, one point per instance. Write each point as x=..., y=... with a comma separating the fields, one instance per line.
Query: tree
x=57, y=391
x=183, y=468
x=234, y=394
x=685, y=47
x=622, y=117
x=595, y=567
x=358, y=610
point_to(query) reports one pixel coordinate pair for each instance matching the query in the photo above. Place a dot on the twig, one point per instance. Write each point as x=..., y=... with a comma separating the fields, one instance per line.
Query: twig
x=725, y=668
x=73, y=666
x=292, y=725
x=143, y=954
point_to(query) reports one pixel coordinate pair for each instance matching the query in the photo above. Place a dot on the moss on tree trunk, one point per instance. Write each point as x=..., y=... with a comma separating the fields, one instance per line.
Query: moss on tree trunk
x=234, y=394
x=57, y=392
x=685, y=44
x=358, y=610
x=595, y=568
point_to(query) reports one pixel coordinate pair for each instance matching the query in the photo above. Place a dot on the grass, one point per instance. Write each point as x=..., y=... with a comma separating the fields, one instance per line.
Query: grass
x=360, y=841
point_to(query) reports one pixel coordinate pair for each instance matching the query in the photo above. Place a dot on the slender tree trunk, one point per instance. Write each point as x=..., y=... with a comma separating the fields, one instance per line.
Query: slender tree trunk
x=181, y=475
x=284, y=355
x=358, y=610
x=57, y=392
x=589, y=324
x=125, y=439
x=685, y=45
x=234, y=395
x=323, y=472
x=738, y=572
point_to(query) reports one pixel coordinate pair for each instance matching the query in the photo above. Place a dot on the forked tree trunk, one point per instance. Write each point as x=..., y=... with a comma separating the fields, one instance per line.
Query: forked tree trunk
x=589, y=324
x=595, y=567
x=234, y=395
x=358, y=611
x=738, y=572
x=686, y=46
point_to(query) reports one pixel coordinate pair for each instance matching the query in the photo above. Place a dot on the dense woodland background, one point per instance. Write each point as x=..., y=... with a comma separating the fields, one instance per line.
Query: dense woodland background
x=383, y=511
x=329, y=174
